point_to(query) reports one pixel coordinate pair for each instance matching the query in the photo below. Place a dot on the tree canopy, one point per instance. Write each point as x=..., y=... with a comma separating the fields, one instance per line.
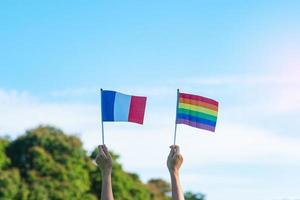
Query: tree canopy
x=47, y=164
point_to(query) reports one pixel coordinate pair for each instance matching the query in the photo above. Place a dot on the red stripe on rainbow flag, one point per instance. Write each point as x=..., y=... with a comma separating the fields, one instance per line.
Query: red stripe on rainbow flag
x=198, y=98
x=198, y=103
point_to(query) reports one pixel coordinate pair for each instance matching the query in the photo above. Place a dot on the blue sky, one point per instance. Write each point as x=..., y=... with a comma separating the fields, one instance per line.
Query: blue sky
x=89, y=43
x=55, y=56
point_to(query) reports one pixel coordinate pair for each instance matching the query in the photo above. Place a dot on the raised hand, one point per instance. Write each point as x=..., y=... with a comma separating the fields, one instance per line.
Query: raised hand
x=175, y=159
x=174, y=163
x=104, y=160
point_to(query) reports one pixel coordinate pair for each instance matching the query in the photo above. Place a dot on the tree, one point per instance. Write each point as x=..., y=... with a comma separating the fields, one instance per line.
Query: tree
x=160, y=189
x=192, y=196
x=47, y=164
x=4, y=160
x=52, y=164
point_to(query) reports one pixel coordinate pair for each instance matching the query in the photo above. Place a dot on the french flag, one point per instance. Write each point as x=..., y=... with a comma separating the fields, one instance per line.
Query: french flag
x=121, y=107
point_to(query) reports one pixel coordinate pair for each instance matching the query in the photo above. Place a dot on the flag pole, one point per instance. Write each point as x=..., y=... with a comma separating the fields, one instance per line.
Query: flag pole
x=175, y=131
x=102, y=120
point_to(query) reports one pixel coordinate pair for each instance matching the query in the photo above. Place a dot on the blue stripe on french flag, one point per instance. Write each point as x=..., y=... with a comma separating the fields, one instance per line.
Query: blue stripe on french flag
x=107, y=105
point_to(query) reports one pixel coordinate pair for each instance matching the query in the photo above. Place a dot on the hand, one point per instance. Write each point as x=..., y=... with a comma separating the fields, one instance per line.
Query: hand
x=104, y=160
x=175, y=159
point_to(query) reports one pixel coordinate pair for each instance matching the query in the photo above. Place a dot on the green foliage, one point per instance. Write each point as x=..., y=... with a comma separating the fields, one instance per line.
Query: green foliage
x=192, y=196
x=46, y=164
x=160, y=189
x=53, y=165
x=4, y=160
x=9, y=183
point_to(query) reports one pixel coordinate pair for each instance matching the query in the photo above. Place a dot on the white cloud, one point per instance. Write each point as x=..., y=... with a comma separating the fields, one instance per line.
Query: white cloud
x=231, y=143
x=21, y=111
x=144, y=149
x=266, y=94
x=240, y=144
x=75, y=92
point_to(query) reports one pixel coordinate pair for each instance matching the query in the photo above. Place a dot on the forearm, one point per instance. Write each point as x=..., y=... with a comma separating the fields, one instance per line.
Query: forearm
x=106, y=193
x=177, y=193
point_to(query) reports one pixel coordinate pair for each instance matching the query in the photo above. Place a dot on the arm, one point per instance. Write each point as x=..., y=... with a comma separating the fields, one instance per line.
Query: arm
x=174, y=163
x=104, y=162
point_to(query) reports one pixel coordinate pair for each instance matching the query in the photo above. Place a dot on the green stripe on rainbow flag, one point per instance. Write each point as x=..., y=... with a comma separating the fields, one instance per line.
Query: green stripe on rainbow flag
x=197, y=114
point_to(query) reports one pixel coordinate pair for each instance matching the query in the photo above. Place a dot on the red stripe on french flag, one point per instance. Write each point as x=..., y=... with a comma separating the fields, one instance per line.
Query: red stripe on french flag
x=137, y=109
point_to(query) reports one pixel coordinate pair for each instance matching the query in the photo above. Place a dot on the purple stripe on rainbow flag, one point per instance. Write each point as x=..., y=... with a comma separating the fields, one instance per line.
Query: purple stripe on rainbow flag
x=196, y=125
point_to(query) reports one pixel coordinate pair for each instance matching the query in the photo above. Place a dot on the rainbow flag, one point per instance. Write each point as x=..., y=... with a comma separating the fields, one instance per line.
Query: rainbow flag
x=197, y=111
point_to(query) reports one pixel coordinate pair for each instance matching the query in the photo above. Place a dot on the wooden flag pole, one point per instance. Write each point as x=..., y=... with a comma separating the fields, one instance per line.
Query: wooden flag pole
x=175, y=131
x=102, y=126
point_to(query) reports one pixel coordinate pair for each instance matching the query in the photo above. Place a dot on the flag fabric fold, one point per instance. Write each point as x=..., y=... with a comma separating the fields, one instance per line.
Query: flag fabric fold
x=197, y=111
x=121, y=107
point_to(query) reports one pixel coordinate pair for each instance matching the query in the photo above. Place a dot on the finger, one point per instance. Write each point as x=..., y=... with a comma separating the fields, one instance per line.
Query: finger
x=101, y=151
x=178, y=156
x=105, y=149
x=177, y=149
x=172, y=151
x=107, y=152
x=99, y=148
x=174, y=148
x=100, y=157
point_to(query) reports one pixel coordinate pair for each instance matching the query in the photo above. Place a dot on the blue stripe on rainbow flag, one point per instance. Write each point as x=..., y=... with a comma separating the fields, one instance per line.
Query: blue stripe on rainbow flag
x=195, y=119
